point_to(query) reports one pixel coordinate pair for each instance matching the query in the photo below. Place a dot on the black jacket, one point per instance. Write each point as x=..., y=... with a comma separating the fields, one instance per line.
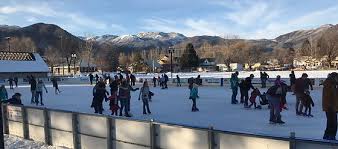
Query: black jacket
x=13, y=101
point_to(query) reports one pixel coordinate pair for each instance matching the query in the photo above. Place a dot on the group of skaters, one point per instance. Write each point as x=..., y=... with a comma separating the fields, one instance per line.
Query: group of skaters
x=107, y=78
x=13, y=81
x=120, y=95
x=161, y=81
x=275, y=96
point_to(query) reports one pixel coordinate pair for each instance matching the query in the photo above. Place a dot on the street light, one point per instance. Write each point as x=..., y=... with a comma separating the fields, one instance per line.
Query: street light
x=9, y=44
x=74, y=57
x=171, y=51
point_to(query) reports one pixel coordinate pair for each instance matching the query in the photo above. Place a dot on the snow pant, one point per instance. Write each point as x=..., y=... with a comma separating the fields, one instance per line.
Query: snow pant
x=299, y=105
x=308, y=108
x=331, y=125
x=33, y=96
x=146, y=106
x=132, y=83
x=37, y=95
x=275, y=109
x=194, y=107
x=234, y=95
x=91, y=81
x=154, y=83
x=246, y=97
x=165, y=84
x=11, y=85
x=16, y=83
x=123, y=105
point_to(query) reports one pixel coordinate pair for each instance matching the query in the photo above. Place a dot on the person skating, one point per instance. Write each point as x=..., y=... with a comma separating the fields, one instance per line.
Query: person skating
x=99, y=96
x=330, y=106
x=154, y=81
x=246, y=87
x=39, y=89
x=190, y=82
x=16, y=80
x=10, y=81
x=132, y=80
x=234, y=87
x=56, y=85
x=178, y=79
x=3, y=93
x=308, y=104
x=91, y=78
x=292, y=77
x=242, y=90
x=32, y=83
x=114, y=86
x=254, y=94
x=124, y=97
x=15, y=100
x=97, y=78
x=166, y=79
x=144, y=95
x=300, y=89
x=193, y=97
x=274, y=94
x=264, y=77
x=198, y=80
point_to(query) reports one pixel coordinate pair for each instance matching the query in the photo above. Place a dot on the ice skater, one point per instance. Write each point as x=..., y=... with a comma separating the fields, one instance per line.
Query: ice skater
x=56, y=85
x=39, y=92
x=10, y=81
x=274, y=95
x=234, y=87
x=254, y=94
x=193, y=97
x=308, y=104
x=32, y=83
x=178, y=79
x=3, y=93
x=154, y=81
x=16, y=80
x=125, y=97
x=144, y=95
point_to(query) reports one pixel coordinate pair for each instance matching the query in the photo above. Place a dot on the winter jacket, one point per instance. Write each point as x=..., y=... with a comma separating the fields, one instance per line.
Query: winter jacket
x=234, y=81
x=144, y=93
x=114, y=86
x=40, y=86
x=330, y=95
x=100, y=94
x=13, y=101
x=32, y=82
x=3, y=94
x=292, y=79
x=194, y=92
x=124, y=91
x=247, y=84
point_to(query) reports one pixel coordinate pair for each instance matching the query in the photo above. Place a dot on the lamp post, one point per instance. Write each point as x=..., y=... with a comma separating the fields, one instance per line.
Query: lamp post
x=74, y=58
x=9, y=43
x=171, y=51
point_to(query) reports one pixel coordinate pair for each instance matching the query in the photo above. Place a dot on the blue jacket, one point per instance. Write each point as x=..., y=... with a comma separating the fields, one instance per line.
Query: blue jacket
x=194, y=92
x=3, y=95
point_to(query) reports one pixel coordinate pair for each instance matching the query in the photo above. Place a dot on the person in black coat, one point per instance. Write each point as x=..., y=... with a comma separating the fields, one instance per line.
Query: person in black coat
x=114, y=86
x=100, y=95
x=91, y=78
x=32, y=82
x=154, y=81
x=15, y=100
x=16, y=80
x=132, y=80
x=247, y=85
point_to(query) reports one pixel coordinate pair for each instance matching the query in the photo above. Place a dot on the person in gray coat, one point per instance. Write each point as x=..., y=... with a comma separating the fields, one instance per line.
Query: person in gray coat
x=274, y=95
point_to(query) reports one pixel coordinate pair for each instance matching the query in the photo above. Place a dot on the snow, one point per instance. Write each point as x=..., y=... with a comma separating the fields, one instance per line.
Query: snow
x=173, y=106
x=244, y=74
x=12, y=142
x=24, y=66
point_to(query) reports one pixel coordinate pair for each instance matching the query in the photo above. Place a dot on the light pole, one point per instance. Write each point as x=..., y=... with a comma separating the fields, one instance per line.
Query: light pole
x=171, y=51
x=74, y=58
x=9, y=43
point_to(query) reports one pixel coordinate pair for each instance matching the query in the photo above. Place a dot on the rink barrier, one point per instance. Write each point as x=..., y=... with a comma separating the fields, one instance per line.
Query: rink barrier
x=91, y=131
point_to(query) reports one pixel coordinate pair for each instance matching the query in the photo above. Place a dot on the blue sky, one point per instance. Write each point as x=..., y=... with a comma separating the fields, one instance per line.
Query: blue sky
x=251, y=19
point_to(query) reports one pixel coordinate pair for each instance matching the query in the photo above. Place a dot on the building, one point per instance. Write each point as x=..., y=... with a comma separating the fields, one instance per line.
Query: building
x=21, y=65
x=207, y=64
x=233, y=67
x=165, y=63
x=307, y=62
x=80, y=67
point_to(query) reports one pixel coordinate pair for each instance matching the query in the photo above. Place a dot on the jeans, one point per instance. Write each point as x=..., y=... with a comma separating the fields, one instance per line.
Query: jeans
x=246, y=97
x=194, y=107
x=331, y=125
x=234, y=95
x=123, y=103
x=33, y=96
x=274, y=103
x=37, y=97
x=299, y=105
x=145, y=106
x=98, y=106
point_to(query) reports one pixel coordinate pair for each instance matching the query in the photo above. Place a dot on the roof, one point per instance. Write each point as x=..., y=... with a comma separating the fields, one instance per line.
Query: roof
x=20, y=62
x=209, y=60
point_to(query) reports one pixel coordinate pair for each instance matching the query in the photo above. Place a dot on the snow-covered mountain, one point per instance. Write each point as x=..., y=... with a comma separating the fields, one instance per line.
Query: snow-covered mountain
x=296, y=38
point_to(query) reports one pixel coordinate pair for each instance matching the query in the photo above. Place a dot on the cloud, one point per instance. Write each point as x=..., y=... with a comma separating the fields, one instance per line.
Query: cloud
x=31, y=19
x=117, y=27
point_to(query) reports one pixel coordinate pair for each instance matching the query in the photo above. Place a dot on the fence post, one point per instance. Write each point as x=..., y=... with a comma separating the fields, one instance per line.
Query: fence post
x=211, y=138
x=5, y=118
x=2, y=124
x=153, y=135
x=292, y=140
x=48, y=137
x=76, y=140
x=25, y=123
x=109, y=133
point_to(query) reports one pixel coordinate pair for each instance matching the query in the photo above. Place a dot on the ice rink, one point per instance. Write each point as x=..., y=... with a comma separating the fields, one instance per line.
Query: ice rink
x=172, y=105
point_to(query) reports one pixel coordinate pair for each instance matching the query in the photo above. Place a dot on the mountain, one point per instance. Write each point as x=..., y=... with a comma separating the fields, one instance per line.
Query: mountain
x=296, y=38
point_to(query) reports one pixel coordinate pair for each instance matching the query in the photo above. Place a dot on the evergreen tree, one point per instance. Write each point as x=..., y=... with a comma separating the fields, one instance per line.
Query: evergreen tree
x=189, y=58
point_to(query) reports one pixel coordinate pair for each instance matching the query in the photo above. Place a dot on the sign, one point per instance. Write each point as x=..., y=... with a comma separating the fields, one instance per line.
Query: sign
x=14, y=113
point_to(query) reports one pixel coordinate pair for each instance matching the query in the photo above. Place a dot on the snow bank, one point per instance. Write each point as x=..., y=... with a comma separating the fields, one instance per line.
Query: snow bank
x=12, y=142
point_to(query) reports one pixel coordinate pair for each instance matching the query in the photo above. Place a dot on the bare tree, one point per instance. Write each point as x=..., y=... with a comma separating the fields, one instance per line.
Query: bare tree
x=328, y=45
x=53, y=57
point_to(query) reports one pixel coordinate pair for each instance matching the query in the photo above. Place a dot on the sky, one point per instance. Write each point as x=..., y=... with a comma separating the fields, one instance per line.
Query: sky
x=249, y=19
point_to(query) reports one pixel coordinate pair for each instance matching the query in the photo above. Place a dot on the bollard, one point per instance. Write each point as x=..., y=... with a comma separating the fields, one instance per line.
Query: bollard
x=292, y=140
x=211, y=138
x=152, y=134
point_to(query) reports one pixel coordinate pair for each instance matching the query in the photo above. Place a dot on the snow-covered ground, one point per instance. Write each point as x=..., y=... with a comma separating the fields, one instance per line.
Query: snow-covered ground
x=173, y=106
x=243, y=74
x=12, y=142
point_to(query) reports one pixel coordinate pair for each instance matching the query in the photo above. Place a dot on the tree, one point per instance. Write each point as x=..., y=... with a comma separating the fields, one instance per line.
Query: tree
x=138, y=62
x=189, y=58
x=124, y=60
x=328, y=45
x=52, y=57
